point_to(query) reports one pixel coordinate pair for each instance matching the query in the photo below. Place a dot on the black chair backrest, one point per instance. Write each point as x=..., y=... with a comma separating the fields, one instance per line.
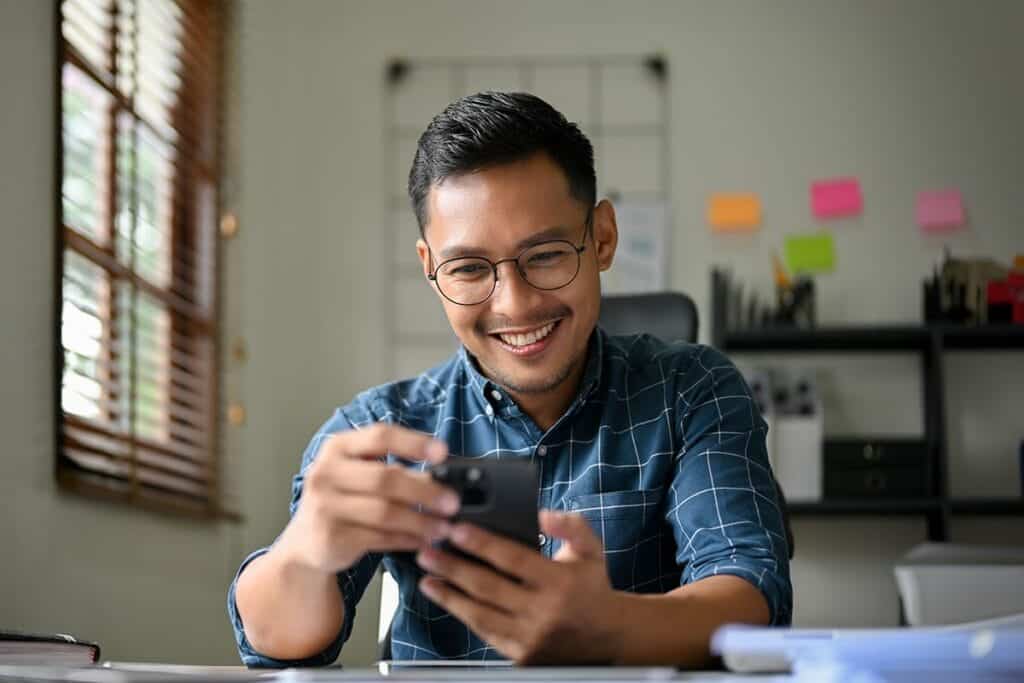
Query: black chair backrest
x=669, y=316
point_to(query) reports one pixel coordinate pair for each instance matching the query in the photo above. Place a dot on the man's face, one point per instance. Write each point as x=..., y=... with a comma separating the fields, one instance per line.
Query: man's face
x=525, y=339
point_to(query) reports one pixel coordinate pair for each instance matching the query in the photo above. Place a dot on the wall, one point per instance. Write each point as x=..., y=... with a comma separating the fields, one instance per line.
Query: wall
x=765, y=97
x=145, y=586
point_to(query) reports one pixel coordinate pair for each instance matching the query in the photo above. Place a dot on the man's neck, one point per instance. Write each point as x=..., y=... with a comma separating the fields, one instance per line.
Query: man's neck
x=545, y=408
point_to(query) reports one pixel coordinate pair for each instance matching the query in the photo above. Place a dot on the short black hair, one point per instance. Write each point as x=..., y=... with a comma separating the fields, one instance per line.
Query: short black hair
x=492, y=128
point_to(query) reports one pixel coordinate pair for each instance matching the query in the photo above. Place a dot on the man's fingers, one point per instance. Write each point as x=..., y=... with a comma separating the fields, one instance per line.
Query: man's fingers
x=479, y=582
x=580, y=540
x=379, y=439
x=509, y=556
x=385, y=516
x=395, y=483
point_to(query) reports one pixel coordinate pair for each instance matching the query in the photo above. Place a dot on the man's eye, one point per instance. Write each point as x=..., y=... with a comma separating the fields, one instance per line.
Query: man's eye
x=546, y=257
x=473, y=270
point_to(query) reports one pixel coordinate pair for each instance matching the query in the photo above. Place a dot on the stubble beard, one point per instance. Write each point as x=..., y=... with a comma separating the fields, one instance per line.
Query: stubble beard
x=539, y=387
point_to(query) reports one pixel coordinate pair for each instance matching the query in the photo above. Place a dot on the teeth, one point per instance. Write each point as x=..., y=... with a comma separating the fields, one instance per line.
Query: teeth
x=529, y=337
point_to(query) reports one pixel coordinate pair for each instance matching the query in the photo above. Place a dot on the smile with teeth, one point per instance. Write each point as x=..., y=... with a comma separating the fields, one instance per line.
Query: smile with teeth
x=525, y=339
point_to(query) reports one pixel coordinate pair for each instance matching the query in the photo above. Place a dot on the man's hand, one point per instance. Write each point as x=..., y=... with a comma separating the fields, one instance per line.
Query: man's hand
x=354, y=503
x=543, y=611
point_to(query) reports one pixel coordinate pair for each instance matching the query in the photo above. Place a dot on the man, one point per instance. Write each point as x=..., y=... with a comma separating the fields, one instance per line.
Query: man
x=659, y=520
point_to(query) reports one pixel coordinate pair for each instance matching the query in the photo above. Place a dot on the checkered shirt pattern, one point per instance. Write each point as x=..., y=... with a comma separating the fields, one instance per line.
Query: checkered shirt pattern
x=662, y=451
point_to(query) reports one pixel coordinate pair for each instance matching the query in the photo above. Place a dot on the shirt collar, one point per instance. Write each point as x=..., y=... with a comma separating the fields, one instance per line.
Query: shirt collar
x=484, y=387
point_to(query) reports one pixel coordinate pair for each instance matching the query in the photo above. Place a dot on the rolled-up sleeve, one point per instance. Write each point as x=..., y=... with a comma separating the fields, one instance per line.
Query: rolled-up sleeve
x=351, y=582
x=723, y=505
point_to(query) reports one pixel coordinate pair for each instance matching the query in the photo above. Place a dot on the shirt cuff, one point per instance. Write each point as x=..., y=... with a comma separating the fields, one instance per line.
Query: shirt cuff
x=255, y=660
x=771, y=586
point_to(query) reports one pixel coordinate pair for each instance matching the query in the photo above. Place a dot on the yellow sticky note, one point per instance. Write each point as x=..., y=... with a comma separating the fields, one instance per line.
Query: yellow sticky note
x=734, y=211
x=810, y=253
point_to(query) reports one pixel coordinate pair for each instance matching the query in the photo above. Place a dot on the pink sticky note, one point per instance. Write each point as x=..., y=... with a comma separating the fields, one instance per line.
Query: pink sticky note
x=940, y=210
x=836, y=197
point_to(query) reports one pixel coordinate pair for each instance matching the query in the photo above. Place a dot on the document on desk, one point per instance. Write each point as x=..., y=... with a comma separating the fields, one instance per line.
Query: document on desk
x=896, y=654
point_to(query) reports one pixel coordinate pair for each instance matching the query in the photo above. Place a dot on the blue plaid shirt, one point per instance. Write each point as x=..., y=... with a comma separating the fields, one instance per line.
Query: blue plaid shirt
x=663, y=452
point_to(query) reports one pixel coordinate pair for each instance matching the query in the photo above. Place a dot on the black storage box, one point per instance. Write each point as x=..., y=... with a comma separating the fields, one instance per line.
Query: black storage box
x=876, y=468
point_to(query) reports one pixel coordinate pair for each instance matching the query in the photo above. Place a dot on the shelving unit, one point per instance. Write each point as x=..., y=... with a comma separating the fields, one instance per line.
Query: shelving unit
x=930, y=342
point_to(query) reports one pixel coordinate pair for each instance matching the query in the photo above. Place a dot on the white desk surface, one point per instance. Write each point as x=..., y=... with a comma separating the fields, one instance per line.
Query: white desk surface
x=156, y=673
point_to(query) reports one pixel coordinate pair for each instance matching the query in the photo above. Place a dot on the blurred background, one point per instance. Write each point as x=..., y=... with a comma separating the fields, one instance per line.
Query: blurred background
x=235, y=258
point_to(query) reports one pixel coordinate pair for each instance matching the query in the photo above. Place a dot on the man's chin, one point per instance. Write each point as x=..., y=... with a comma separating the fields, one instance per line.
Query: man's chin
x=537, y=382
x=528, y=386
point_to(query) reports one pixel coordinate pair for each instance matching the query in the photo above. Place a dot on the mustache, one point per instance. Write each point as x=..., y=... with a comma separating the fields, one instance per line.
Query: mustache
x=491, y=325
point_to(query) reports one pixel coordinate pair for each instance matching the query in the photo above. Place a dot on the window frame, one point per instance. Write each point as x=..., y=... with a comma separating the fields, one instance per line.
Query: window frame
x=197, y=320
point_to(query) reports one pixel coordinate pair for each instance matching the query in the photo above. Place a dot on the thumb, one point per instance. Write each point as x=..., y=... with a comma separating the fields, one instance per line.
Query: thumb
x=580, y=540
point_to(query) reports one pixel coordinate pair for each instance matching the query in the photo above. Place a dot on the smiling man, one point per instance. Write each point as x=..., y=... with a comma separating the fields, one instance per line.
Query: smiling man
x=659, y=512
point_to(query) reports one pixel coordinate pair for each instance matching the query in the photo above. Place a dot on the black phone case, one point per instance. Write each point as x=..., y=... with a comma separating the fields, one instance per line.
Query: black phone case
x=509, y=507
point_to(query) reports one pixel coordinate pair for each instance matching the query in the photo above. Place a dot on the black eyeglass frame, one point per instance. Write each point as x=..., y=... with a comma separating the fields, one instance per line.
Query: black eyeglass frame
x=432, y=276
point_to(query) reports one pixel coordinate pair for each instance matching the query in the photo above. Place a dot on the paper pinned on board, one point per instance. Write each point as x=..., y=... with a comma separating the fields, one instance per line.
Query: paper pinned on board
x=734, y=211
x=641, y=257
x=807, y=254
x=836, y=198
x=940, y=210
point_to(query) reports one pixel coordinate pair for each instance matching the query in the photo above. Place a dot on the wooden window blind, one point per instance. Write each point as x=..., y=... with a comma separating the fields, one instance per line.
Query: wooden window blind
x=137, y=251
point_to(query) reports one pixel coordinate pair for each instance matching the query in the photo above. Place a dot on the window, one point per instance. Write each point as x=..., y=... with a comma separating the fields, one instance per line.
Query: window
x=137, y=250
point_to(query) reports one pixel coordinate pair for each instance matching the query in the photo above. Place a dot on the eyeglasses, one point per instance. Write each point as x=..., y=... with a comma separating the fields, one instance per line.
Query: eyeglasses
x=549, y=265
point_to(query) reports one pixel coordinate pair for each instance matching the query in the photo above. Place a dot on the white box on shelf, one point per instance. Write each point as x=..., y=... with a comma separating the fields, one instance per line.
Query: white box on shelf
x=797, y=455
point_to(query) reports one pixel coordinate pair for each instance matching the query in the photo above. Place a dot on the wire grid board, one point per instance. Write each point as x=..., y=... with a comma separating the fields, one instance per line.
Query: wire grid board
x=620, y=103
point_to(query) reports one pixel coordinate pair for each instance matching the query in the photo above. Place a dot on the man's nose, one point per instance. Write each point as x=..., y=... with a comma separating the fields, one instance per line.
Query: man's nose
x=513, y=295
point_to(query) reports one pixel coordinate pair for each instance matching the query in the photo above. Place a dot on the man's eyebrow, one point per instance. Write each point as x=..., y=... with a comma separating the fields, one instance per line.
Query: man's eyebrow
x=553, y=233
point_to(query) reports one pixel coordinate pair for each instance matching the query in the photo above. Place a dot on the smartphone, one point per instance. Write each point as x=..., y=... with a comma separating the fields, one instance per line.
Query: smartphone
x=497, y=495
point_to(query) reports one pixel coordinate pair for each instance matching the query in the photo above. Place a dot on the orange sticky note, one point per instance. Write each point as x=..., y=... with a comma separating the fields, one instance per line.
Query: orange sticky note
x=734, y=211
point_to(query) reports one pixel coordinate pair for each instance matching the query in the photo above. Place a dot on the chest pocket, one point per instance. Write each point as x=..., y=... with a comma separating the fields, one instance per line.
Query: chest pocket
x=624, y=520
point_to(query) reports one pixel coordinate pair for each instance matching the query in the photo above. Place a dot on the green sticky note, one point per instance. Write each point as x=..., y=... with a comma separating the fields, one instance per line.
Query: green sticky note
x=810, y=253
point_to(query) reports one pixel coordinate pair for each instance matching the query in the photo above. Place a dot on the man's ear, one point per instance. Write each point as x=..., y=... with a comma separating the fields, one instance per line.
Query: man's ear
x=424, y=253
x=606, y=234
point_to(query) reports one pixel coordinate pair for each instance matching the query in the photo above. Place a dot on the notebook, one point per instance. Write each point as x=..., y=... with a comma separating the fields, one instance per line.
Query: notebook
x=17, y=647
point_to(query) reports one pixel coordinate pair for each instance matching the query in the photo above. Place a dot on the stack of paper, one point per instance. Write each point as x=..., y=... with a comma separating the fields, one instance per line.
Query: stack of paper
x=970, y=652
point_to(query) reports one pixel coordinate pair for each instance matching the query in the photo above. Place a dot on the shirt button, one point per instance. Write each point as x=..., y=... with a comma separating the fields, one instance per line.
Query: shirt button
x=542, y=451
x=542, y=540
x=496, y=395
x=489, y=410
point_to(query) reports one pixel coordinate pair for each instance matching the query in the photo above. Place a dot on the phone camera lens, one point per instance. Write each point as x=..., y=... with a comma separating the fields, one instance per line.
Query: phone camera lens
x=475, y=490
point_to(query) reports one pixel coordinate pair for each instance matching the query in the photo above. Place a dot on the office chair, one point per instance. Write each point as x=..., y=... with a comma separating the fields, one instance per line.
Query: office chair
x=669, y=316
